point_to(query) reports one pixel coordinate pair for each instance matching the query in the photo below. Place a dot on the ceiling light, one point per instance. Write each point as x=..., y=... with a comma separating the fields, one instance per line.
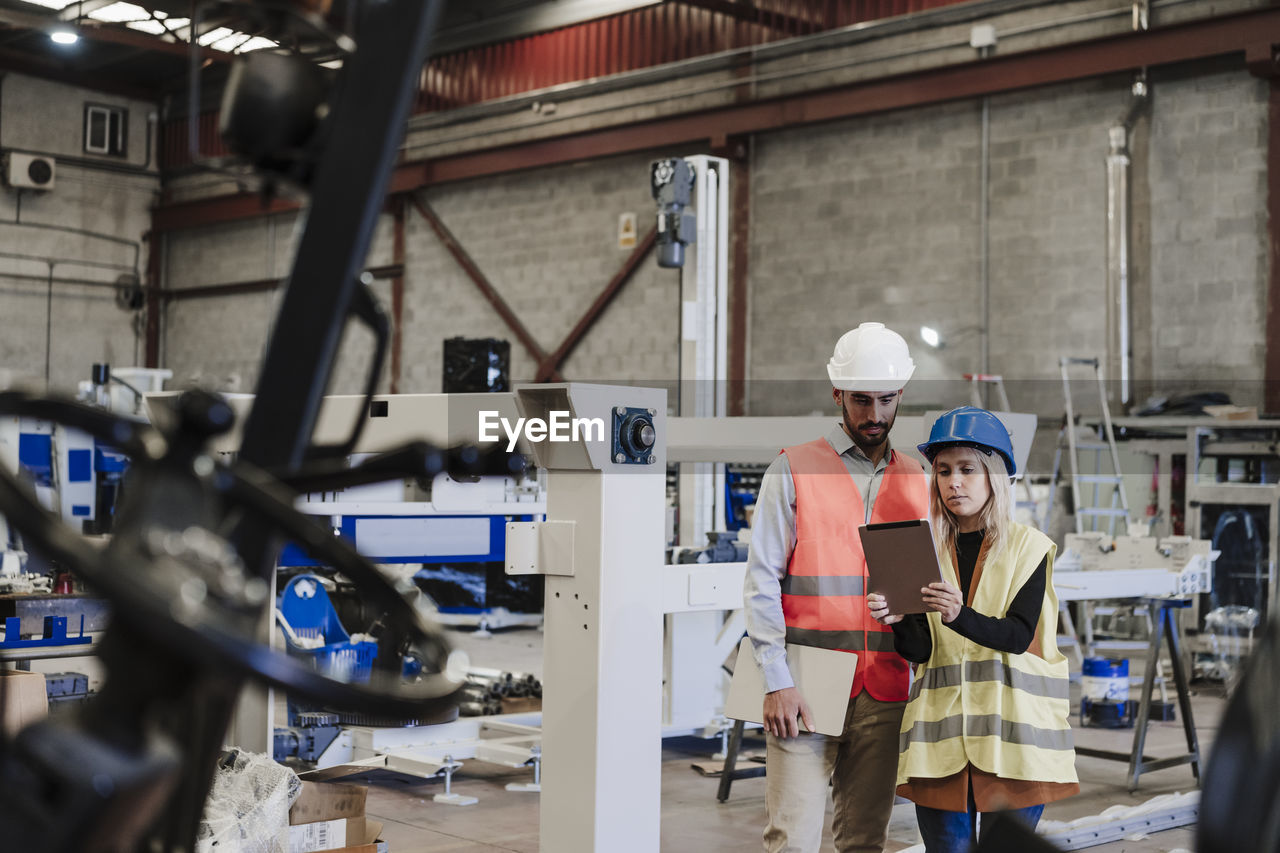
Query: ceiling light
x=930, y=336
x=119, y=13
x=63, y=35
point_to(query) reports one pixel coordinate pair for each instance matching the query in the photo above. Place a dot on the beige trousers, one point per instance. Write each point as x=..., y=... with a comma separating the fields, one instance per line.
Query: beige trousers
x=862, y=767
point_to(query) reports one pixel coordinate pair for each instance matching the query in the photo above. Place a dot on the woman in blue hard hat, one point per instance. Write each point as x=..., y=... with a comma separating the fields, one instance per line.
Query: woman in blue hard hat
x=986, y=727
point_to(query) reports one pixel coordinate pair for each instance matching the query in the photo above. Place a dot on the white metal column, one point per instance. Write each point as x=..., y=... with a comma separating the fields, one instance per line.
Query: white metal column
x=704, y=288
x=602, y=647
x=695, y=684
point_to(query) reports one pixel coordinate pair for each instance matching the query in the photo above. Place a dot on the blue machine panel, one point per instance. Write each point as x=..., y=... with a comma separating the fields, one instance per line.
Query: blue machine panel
x=109, y=461
x=79, y=466
x=496, y=542
x=35, y=453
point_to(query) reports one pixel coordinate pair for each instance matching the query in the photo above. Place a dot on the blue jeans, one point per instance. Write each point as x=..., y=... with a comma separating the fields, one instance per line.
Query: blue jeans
x=955, y=832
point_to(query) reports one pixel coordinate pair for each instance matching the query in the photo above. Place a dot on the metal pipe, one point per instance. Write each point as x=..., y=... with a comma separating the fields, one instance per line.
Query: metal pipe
x=48, y=326
x=1119, y=287
x=1118, y=322
x=79, y=232
x=984, y=201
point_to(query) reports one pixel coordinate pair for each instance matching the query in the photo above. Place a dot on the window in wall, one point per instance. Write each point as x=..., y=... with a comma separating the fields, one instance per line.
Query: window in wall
x=105, y=129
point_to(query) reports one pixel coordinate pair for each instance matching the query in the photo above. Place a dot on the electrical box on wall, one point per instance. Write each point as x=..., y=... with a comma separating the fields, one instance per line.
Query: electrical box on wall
x=29, y=171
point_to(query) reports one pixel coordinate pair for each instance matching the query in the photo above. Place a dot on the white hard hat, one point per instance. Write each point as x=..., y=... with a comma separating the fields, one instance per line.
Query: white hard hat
x=870, y=358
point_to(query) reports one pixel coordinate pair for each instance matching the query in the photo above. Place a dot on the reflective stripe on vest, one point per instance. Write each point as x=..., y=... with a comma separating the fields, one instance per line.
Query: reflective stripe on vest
x=1006, y=714
x=823, y=592
x=848, y=641
x=989, y=725
x=823, y=585
x=991, y=670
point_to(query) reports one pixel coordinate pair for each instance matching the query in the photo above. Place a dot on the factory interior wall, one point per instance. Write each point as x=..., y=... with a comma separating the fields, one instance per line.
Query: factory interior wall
x=546, y=240
x=878, y=219
x=874, y=218
x=75, y=321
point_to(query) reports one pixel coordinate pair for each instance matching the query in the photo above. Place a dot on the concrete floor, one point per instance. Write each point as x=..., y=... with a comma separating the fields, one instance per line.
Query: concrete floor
x=692, y=819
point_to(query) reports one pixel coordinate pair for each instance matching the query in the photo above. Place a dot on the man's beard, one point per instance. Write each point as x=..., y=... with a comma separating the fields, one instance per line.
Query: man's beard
x=863, y=441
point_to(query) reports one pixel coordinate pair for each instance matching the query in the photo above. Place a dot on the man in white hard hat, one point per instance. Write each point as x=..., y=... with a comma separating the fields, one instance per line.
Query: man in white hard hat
x=806, y=585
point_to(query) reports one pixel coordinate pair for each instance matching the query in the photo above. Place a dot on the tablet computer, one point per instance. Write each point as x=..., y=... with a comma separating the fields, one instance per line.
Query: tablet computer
x=824, y=678
x=901, y=560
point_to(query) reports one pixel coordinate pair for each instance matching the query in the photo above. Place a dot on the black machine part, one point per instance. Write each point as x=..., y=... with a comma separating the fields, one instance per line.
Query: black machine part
x=1240, y=800
x=188, y=569
x=106, y=769
x=671, y=182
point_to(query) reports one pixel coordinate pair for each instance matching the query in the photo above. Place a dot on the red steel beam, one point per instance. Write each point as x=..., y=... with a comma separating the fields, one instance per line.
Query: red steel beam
x=1177, y=43
x=1262, y=63
x=740, y=249
x=1271, y=357
x=478, y=278
x=261, y=285
x=552, y=363
x=212, y=211
x=120, y=34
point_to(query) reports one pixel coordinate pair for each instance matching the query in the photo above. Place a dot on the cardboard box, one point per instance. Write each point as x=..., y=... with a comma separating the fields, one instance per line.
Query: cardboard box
x=357, y=834
x=320, y=808
x=1232, y=413
x=23, y=699
x=320, y=835
x=327, y=801
x=362, y=835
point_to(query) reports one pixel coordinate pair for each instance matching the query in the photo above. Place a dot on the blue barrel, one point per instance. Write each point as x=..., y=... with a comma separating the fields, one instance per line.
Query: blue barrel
x=1103, y=678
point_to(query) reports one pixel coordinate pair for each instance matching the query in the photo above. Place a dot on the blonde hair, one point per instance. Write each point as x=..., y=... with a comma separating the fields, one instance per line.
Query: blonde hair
x=996, y=514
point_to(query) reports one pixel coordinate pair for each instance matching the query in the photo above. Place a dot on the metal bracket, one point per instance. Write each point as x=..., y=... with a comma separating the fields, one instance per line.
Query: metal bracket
x=540, y=548
x=534, y=787
x=449, y=798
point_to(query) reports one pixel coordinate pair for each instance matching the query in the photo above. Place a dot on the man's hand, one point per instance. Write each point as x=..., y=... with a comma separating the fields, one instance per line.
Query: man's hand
x=944, y=598
x=879, y=608
x=781, y=707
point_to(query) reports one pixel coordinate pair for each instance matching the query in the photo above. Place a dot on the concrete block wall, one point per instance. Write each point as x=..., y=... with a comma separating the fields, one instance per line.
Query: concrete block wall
x=75, y=322
x=877, y=218
x=219, y=342
x=1208, y=234
x=548, y=242
x=859, y=221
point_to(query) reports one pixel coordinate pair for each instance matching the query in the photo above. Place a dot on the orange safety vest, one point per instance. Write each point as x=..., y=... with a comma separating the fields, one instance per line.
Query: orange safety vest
x=824, y=591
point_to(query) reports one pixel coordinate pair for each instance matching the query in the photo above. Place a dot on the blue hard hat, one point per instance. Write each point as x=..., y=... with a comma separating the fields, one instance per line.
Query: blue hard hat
x=969, y=426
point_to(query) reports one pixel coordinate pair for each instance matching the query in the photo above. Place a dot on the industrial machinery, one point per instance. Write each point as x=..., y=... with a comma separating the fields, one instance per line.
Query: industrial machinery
x=1095, y=565
x=188, y=566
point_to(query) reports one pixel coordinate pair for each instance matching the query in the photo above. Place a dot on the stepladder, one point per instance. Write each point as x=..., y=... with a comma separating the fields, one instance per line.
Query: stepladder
x=1024, y=499
x=1097, y=483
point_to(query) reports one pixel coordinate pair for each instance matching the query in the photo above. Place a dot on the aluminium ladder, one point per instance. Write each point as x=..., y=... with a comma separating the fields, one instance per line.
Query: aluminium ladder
x=1098, y=494
x=1089, y=506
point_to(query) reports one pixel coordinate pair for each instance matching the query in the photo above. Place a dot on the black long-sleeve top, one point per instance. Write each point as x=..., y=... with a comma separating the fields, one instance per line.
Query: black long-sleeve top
x=1010, y=633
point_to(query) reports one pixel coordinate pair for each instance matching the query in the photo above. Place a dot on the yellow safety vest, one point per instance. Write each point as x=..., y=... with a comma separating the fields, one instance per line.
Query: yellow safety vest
x=1006, y=714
